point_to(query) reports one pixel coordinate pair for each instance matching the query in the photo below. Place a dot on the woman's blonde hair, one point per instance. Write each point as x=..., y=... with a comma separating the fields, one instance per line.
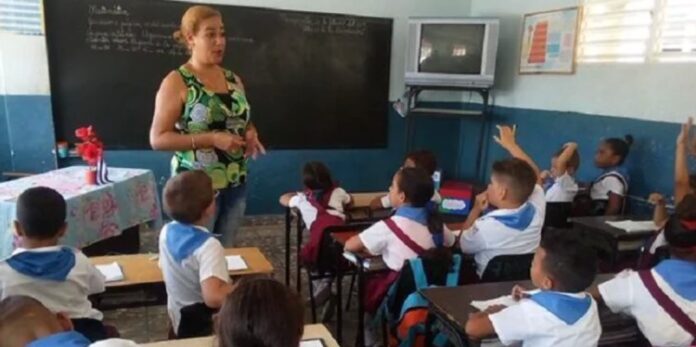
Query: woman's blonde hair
x=191, y=20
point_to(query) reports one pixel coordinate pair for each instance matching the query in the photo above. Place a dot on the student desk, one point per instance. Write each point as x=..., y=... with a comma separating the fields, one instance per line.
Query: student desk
x=614, y=236
x=142, y=274
x=450, y=307
x=358, y=210
x=365, y=266
x=312, y=331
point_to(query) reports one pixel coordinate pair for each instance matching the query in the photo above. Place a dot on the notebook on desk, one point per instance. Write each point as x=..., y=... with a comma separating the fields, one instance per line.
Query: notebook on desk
x=370, y=264
x=112, y=272
x=236, y=263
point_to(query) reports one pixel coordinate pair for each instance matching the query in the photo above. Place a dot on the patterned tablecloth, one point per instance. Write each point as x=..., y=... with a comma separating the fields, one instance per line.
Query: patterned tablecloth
x=94, y=212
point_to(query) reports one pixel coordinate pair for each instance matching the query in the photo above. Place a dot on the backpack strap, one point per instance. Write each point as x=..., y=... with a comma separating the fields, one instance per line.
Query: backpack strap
x=667, y=304
x=453, y=275
x=419, y=276
x=401, y=235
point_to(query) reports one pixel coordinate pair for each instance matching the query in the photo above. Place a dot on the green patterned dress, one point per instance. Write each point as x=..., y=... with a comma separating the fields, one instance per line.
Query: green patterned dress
x=204, y=112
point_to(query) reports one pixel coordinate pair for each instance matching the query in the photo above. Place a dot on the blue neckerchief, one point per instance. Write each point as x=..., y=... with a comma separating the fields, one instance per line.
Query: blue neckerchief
x=184, y=239
x=680, y=275
x=64, y=339
x=518, y=220
x=416, y=214
x=567, y=308
x=548, y=183
x=619, y=170
x=53, y=266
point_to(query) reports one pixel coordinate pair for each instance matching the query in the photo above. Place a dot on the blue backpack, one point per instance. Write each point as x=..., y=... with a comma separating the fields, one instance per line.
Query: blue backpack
x=407, y=327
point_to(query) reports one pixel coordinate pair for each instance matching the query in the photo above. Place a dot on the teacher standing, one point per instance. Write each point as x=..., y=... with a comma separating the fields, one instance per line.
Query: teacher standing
x=201, y=113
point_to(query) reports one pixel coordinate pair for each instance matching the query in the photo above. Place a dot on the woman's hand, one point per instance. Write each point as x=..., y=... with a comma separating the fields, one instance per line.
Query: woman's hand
x=254, y=147
x=227, y=142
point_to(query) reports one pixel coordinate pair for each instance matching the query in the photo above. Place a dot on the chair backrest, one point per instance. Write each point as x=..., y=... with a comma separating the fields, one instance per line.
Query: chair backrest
x=330, y=252
x=557, y=214
x=508, y=268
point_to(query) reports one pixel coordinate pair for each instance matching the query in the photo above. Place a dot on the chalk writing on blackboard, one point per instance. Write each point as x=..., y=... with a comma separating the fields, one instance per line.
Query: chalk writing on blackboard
x=327, y=24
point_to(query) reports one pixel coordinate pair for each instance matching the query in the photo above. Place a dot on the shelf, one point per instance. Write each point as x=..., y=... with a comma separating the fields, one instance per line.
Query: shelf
x=448, y=112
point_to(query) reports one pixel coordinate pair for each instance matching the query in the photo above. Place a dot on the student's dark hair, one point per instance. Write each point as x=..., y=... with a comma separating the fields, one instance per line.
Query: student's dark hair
x=424, y=159
x=620, y=147
x=41, y=212
x=518, y=176
x=418, y=188
x=680, y=229
x=260, y=312
x=571, y=259
x=187, y=195
x=573, y=161
x=316, y=176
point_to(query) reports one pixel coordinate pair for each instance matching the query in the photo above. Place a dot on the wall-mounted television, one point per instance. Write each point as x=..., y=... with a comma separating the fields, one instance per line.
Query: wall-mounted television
x=452, y=52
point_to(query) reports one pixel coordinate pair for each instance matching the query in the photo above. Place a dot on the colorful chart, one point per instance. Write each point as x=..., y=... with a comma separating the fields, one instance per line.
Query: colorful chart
x=548, y=42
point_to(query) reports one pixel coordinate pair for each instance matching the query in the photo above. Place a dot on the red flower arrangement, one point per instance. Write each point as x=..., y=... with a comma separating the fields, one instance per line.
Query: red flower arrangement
x=91, y=148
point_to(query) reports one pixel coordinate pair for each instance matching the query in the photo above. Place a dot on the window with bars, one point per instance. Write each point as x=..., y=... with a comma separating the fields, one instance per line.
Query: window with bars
x=634, y=31
x=21, y=17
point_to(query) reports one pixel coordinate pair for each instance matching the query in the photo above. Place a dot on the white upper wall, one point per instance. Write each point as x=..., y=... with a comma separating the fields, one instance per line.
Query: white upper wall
x=652, y=91
x=24, y=69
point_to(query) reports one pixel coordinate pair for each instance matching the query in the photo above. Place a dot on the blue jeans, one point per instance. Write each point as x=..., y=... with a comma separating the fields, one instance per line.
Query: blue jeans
x=229, y=214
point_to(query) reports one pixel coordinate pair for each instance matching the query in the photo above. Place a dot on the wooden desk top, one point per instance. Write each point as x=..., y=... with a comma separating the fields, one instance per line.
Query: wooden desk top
x=362, y=200
x=311, y=331
x=144, y=268
x=599, y=223
x=455, y=302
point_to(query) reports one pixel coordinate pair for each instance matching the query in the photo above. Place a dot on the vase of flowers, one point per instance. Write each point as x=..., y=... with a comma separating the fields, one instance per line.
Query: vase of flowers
x=91, y=149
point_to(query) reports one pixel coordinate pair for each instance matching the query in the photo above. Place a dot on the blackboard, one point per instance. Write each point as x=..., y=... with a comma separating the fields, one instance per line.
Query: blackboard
x=314, y=80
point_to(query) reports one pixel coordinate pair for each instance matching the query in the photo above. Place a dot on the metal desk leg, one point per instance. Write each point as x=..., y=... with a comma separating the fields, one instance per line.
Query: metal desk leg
x=360, y=338
x=297, y=259
x=288, y=228
x=339, y=308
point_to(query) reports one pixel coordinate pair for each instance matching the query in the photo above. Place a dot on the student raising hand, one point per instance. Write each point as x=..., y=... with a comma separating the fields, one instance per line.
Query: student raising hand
x=506, y=139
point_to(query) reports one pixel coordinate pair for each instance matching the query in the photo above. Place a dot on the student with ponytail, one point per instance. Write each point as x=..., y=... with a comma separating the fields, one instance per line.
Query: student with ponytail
x=609, y=189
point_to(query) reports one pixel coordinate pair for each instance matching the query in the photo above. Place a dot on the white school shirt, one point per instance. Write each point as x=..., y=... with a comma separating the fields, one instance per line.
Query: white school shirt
x=68, y=296
x=380, y=240
x=627, y=294
x=489, y=237
x=386, y=203
x=339, y=198
x=534, y=326
x=183, y=280
x=608, y=184
x=563, y=189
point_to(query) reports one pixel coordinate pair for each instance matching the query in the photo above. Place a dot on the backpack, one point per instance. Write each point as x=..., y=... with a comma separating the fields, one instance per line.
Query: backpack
x=407, y=327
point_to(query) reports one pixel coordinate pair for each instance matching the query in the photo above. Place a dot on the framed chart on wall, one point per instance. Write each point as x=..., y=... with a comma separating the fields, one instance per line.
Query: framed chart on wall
x=549, y=41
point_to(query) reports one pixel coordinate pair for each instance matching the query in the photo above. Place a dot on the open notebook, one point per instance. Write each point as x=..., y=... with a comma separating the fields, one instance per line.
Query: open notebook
x=631, y=226
x=112, y=272
x=236, y=263
x=312, y=343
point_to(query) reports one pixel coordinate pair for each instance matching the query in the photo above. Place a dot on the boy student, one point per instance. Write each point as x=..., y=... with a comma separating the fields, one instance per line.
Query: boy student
x=59, y=277
x=559, y=313
x=662, y=300
x=515, y=226
x=192, y=260
x=26, y=322
x=559, y=182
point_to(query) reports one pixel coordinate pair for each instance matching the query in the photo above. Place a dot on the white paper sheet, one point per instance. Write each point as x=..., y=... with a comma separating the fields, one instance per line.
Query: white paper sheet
x=631, y=226
x=312, y=343
x=506, y=300
x=236, y=263
x=112, y=272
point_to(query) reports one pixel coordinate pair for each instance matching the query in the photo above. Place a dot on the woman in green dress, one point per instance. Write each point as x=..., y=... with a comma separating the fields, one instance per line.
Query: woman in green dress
x=202, y=114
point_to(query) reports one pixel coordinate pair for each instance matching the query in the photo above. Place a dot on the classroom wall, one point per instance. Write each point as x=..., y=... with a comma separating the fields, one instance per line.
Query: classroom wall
x=598, y=101
x=31, y=135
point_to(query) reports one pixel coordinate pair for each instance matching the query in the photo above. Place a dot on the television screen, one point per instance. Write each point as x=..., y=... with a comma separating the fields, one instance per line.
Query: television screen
x=451, y=48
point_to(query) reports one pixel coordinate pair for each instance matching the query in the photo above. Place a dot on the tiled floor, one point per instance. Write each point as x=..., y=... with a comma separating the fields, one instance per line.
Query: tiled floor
x=266, y=233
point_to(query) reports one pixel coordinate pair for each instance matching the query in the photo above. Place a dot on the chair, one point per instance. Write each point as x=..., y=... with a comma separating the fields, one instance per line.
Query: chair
x=557, y=214
x=508, y=268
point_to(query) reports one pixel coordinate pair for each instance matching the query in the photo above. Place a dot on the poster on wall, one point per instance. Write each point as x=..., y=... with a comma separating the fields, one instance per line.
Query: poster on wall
x=548, y=41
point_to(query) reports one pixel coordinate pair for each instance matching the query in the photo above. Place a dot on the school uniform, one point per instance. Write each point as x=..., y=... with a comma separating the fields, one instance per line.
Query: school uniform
x=319, y=211
x=549, y=318
x=59, y=277
x=397, y=239
x=189, y=255
x=612, y=181
x=628, y=293
x=75, y=339
x=506, y=231
x=561, y=189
